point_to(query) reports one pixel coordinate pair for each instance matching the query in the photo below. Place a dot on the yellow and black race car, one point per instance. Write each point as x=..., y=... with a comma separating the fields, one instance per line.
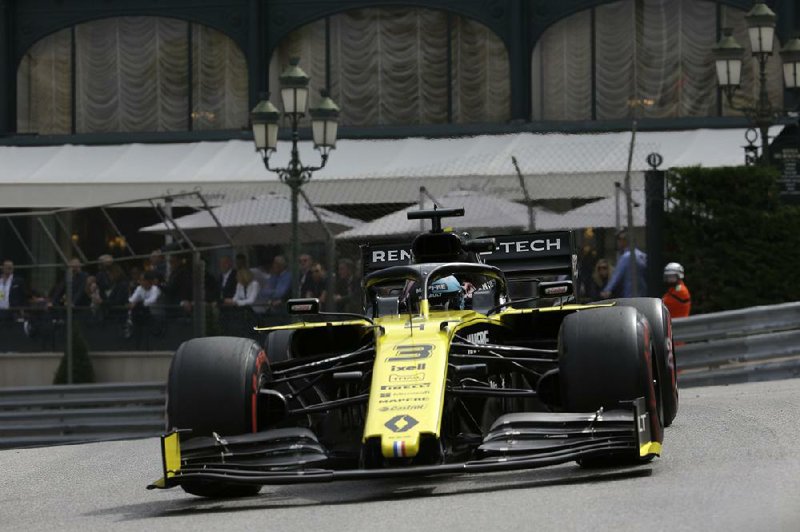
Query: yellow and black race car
x=470, y=357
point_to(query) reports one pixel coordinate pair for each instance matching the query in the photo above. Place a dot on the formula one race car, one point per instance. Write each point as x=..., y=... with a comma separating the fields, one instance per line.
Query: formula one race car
x=471, y=356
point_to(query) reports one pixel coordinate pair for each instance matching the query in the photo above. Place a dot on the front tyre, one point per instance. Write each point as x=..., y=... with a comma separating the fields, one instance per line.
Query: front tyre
x=606, y=358
x=661, y=327
x=213, y=388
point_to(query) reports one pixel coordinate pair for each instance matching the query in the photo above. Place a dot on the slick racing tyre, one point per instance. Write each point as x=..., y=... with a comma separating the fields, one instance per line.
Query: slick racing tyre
x=278, y=346
x=212, y=386
x=605, y=359
x=661, y=328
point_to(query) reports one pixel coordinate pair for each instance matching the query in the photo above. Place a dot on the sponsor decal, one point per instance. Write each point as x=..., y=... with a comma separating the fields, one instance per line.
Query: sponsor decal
x=419, y=386
x=401, y=393
x=400, y=407
x=524, y=246
x=413, y=367
x=411, y=352
x=642, y=422
x=480, y=338
x=390, y=255
x=402, y=400
x=411, y=377
x=401, y=423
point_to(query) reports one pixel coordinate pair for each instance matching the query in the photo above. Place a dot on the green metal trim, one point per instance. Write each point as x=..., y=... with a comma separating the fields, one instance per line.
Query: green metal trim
x=390, y=132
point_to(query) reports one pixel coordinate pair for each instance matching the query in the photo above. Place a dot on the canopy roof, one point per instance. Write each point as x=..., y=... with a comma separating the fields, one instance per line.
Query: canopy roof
x=260, y=220
x=359, y=171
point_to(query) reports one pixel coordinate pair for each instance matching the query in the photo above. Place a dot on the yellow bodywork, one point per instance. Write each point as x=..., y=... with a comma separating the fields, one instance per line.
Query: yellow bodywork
x=410, y=371
x=409, y=377
x=171, y=458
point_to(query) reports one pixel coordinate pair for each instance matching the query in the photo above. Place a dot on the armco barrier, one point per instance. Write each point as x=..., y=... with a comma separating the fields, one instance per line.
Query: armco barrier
x=751, y=344
x=45, y=415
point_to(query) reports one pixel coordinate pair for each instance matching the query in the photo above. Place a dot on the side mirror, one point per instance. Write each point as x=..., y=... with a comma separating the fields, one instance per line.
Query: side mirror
x=388, y=306
x=303, y=306
x=555, y=289
x=483, y=300
x=480, y=245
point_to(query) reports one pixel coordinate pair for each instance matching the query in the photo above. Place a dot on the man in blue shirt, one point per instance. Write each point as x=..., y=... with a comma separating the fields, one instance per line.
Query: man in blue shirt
x=621, y=282
x=275, y=291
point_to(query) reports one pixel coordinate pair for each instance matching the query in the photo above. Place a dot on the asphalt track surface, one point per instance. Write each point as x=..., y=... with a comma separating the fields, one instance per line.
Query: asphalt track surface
x=731, y=462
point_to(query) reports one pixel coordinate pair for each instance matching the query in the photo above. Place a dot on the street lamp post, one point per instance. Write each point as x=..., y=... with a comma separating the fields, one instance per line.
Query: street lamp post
x=324, y=125
x=728, y=59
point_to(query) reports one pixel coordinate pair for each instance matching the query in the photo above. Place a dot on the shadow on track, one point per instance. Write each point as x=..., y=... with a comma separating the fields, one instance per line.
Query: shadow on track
x=370, y=491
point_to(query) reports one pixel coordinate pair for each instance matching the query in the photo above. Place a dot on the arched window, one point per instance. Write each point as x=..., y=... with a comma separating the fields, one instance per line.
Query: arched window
x=390, y=66
x=132, y=74
x=656, y=51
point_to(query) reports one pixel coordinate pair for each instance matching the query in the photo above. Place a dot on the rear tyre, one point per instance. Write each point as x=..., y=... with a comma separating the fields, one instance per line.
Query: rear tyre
x=213, y=387
x=661, y=328
x=606, y=358
x=278, y=346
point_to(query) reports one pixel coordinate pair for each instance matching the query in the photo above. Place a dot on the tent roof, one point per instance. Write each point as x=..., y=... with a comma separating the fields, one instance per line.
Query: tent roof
x=359, y=171
x=480, y=212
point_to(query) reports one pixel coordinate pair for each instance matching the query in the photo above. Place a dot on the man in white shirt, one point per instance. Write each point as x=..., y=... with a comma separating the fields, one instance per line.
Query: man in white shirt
x=147, y=293
x=12, y=291
x=143, y=299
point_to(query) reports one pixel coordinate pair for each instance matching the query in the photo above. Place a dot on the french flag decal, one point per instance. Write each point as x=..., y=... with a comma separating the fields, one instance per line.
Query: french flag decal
x=399, y=449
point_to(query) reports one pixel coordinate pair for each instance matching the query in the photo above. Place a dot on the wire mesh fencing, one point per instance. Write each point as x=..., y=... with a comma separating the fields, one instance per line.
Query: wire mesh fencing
x=150, y=273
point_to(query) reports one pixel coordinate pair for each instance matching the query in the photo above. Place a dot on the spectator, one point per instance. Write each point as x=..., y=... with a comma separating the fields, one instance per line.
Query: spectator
x=178, y=286
x=12, y=292
x=622, y=280
x=277, y=288
x=305, y=262
x=103, y=278
x=211, y=289
x=348, y=295
x=141, y=305
x=677, y=297
x=586, y=265
x=238, y=312
x=241, y=261
x=227, y=277
x=158, y=265
x=261, y=273
x=316, y=284
x=599, y=279
x=133, y=280
x=93, y=293
x=247, y=290
x=79, y=297
x=115, y=295
x=147, y=293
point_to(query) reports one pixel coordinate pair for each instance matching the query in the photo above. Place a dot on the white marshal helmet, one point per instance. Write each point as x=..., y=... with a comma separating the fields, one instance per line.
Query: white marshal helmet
x=673, y=268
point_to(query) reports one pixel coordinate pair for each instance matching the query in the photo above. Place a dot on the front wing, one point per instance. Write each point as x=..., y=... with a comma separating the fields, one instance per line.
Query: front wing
x=515, y=441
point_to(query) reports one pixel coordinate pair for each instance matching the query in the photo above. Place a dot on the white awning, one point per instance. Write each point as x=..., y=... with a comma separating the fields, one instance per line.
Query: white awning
x=359, y=171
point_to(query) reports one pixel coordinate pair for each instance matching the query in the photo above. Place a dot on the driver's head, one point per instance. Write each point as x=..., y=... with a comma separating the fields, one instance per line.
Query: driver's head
x=446, y=294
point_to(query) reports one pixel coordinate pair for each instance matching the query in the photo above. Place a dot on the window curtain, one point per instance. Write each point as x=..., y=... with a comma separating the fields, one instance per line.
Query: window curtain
x=219, y=81
x=562, y=71
x=132, y=74
x=389, y=66
x=44, y=91
x=653, y=50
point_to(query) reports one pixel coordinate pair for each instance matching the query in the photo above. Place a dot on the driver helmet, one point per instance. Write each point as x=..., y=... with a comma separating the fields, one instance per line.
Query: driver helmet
x=446, y=294
x=672, y=272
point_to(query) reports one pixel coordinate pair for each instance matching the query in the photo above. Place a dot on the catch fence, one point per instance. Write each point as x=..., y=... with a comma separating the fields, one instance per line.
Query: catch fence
x=187, y=238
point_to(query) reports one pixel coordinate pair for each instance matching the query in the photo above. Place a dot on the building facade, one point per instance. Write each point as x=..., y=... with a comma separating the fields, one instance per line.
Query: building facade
x=156, y=71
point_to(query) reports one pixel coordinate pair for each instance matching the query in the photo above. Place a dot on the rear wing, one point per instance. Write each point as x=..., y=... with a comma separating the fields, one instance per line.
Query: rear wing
x=535, y=255
x=518, y=256
x=376, y=257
